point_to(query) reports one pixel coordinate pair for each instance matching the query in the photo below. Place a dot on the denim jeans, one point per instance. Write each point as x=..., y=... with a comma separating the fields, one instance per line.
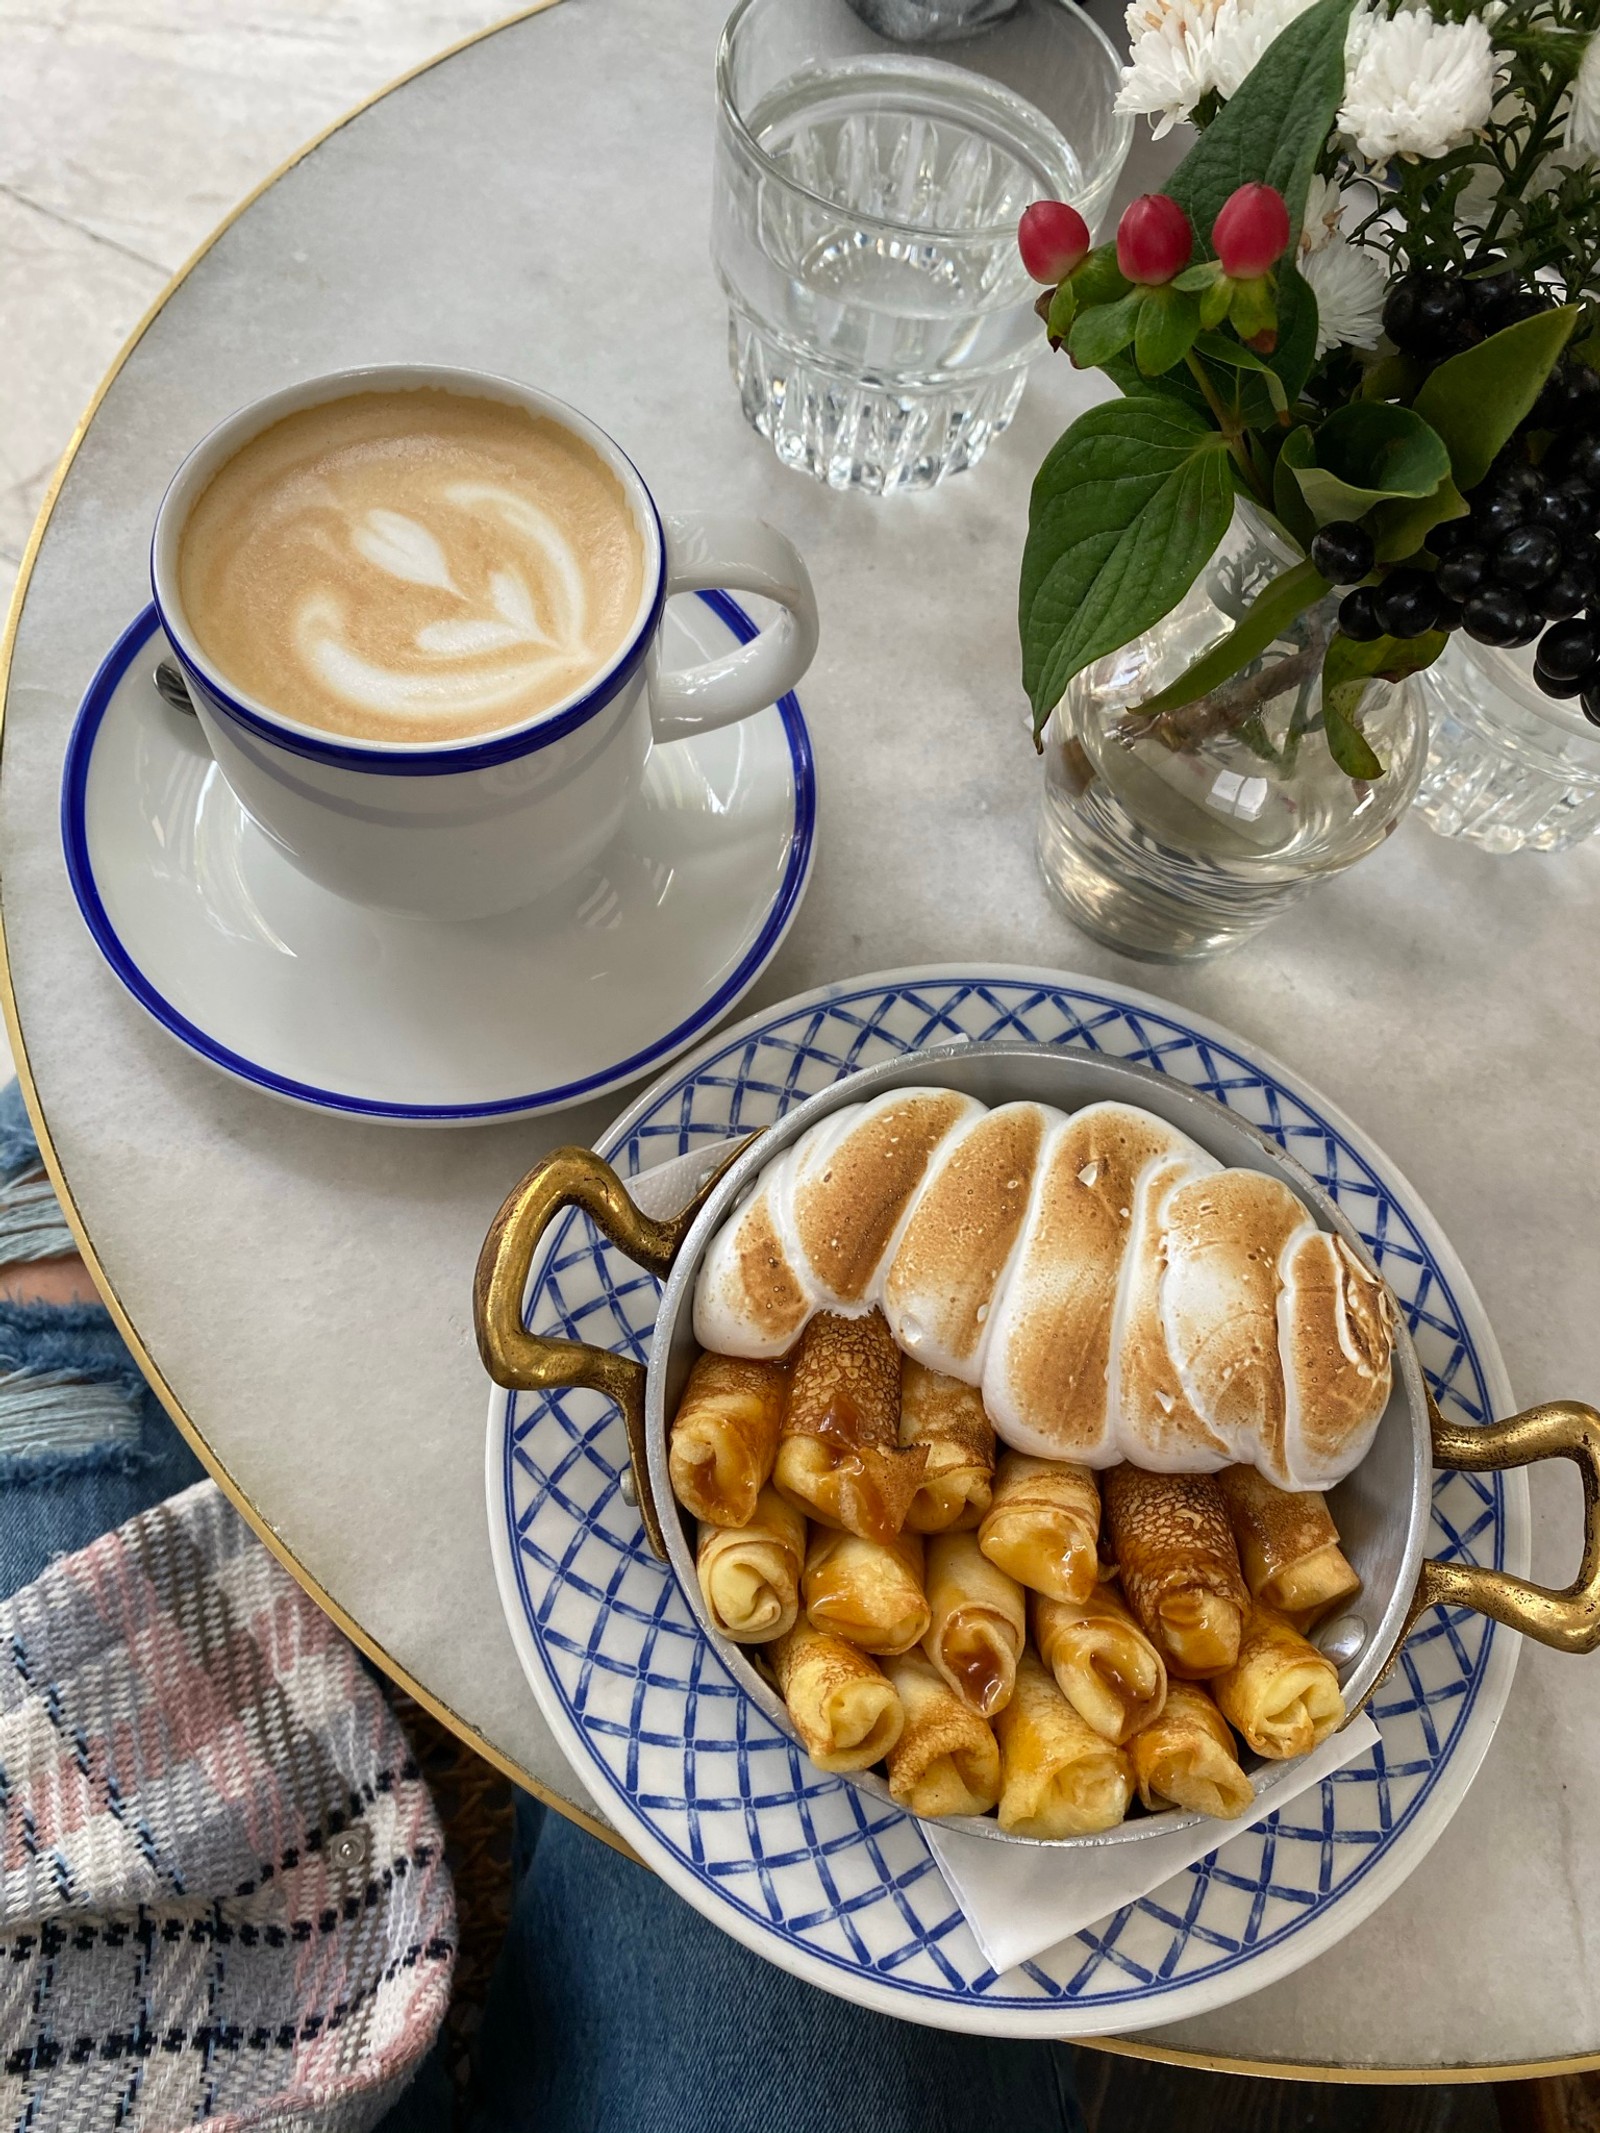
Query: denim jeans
x=616, y=2008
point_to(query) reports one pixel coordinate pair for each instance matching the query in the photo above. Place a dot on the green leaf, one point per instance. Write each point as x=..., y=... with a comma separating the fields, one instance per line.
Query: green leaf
x=1204, y=276
x=1252, y=311
x=1176, y=385
x=1274, y=128
x=1168, y=323
x=1104, y=330
x=1367, y=452
x=1220, y=349
x=1271, y=132
x=1125, y=513
x=1262, y=623
x=1296, y=353
x=1100, y=280
x=1347, y=672
x=1297, y=451
x=1392, y=377
x=1347, y=744
x=1063, y=309
x=1476, y=399
x=1400, y=527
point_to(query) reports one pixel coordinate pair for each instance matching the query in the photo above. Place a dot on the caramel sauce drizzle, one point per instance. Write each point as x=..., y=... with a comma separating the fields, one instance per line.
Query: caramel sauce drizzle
x=980, y=1674
x=841, y=1422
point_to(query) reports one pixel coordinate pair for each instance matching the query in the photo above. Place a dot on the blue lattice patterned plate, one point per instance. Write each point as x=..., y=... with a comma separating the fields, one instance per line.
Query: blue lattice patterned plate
x=819, y=1877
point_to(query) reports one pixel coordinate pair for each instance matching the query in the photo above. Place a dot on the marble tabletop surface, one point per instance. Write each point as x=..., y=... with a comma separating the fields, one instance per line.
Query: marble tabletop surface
x=538, y=204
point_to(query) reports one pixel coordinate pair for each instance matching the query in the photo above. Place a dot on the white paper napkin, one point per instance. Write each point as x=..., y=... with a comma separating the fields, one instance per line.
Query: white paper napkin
x=1020, y=1900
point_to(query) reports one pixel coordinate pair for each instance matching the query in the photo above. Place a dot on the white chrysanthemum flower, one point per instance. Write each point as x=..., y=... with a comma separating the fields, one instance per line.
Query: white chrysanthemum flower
x=1583, y=113
x=1349, y=285
x=1323, y=215
x=1413, y=86
x=1243, y=32
x=1169, y=62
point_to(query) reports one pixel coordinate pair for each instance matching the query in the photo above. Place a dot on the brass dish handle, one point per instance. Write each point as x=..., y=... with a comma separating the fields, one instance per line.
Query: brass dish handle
x=1569, y=1620
x=536, y=1362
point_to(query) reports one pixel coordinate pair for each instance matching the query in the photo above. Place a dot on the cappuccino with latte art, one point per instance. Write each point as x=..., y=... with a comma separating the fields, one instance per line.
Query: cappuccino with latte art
x=414, y=565
x=419, y=616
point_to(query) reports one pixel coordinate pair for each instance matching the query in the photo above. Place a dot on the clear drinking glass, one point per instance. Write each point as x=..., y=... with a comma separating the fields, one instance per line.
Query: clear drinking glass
x=1508, y=767
x=873, y=157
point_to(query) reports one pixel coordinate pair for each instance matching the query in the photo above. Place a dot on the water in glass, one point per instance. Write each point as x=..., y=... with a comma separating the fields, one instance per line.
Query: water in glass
x=864, y=230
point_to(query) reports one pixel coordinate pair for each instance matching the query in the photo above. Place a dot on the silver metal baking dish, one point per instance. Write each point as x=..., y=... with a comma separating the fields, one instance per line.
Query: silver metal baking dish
x=1382, y=1509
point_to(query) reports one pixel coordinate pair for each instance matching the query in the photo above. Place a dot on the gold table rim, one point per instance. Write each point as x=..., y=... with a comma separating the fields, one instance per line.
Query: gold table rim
x=1126, y=2047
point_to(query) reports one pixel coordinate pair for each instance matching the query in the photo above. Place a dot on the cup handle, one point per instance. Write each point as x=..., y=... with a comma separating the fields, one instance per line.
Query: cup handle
x=534, y=1362
x=1568, y=1620
x=709, y=551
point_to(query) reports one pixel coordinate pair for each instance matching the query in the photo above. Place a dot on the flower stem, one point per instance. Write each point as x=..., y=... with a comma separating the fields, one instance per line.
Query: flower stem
x=1238, y=440
x=1237, y=701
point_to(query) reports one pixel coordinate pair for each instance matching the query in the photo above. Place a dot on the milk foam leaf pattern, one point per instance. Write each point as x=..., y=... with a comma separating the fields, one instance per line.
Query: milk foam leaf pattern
x=1266, y=619
x=394, y=542
x=1366, y=453
x=1477, y=399
x=1271, y=132
x=1125, y=513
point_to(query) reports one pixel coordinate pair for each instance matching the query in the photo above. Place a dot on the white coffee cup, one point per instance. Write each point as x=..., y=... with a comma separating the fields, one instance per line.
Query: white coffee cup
x=486, y=824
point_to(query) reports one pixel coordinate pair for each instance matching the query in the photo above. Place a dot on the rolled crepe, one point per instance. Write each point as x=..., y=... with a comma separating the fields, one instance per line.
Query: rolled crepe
x=868, y=1591
x=1281, y=1694
x=841, y=1703
x=978, y=1622
x=1180, y=1568
x=1058, y=1777
x=1288, y=1546
x=1186, y=1758
x=1103, y=1663
x=725, y=1437
x=750, y=1575
x=948, y=1418
x=839, y=1456
x=947, y=1760
x=1042, y=1526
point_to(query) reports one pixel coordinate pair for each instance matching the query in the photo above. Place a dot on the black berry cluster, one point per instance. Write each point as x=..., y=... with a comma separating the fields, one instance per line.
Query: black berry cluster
x=1524, y=564
x=1438, y=315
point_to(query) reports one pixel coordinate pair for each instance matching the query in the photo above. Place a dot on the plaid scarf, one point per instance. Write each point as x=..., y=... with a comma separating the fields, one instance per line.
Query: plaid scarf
x=223, y=1901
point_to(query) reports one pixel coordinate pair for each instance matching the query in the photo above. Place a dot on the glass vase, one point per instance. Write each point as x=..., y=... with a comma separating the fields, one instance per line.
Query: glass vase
x=1508, y=767
x=1173, y=837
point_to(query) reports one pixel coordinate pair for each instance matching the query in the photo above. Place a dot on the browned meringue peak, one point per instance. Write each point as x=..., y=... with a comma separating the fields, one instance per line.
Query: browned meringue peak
x=1225, y=1237
x=958, y=1241
x=1047, y=1374
x=1335, y=1337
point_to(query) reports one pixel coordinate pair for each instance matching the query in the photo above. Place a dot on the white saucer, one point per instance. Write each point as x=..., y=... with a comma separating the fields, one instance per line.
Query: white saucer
x=341, y=1008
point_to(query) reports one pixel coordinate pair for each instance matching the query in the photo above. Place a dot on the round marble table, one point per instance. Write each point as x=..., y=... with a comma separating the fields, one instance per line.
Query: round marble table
x=298, y=1285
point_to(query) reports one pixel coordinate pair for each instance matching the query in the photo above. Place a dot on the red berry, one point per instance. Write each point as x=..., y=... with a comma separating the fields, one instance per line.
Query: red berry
x=1053, y=239
x=1252, y=232
x=1154, y=239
